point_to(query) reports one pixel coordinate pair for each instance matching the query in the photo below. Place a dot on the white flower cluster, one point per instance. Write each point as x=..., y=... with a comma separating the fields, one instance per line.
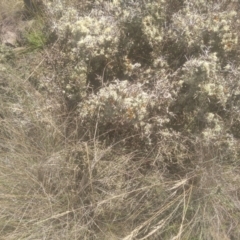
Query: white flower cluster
x=61, y=16
x=85, y=38
x=200, y=69
x=186, y=27
x=214, y=127
x=124, y=105
x=216, y=90
x=210, y=27
x=94, y=36
x=203, y=76
x=131, y=68
x=152, y=30
x=153, y=23
x=89, y=36
x=118, y=101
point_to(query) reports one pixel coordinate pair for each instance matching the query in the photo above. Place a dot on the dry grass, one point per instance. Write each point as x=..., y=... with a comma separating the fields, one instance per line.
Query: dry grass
x=8, y=8
x=54, y=187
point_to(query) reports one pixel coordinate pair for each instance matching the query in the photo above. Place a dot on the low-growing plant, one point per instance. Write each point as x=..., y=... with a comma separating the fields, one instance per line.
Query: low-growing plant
x=36, y=39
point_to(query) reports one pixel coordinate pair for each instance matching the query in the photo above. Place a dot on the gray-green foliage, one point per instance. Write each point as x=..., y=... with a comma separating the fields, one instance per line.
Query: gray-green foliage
x=179, y=53
x=158, y=66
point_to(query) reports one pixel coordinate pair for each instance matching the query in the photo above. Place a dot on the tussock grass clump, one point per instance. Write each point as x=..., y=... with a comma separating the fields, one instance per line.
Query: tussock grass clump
x=124, y=124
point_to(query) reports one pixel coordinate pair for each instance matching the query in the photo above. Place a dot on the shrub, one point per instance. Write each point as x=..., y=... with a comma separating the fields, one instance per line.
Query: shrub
x=148, y=145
